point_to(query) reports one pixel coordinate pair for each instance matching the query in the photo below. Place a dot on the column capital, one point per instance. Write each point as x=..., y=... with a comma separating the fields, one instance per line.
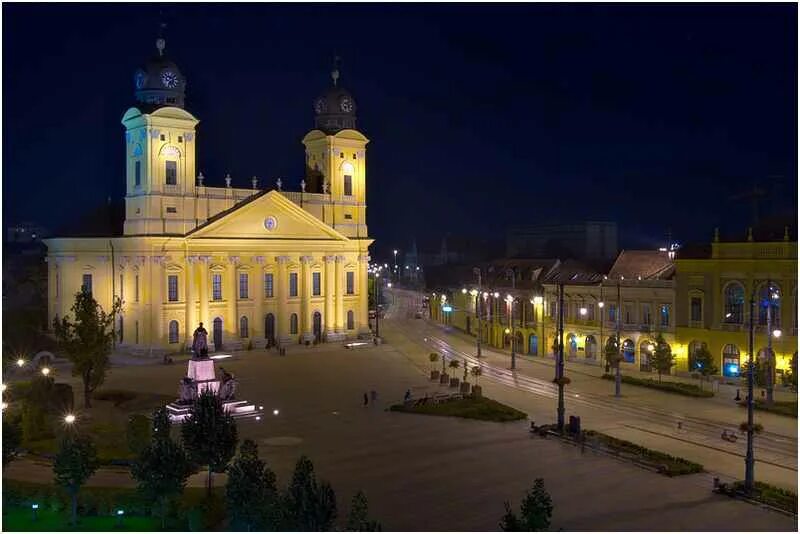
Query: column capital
x=340, y=259
x=103, y=259
x=234, y=260
x=205, y=259
x=306, y=259
x=259, y=260
x=191, y=260
x=329, y=259
x=282, y=259
x=159, y=260
x=363, y=257
x=64, y=259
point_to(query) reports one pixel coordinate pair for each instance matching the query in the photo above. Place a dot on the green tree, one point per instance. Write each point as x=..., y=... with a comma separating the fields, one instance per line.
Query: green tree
x=358, y=519
x=87, y=341
x=704, y=364
x=611, y=352
x=534, y=514
x=759, y=373
x=433, y=357
x=476, y=371
x=310, y=505
x=12, y=438
x=251, y=493
x=161, y=471
x=209, y=435
x=161, y=424
x=662, y=358
x=75, y=462
x=792, y=374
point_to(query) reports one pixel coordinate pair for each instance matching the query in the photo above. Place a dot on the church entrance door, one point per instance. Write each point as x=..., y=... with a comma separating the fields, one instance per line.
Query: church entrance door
x=317, y=327
x=218, y=334
x=269, y=329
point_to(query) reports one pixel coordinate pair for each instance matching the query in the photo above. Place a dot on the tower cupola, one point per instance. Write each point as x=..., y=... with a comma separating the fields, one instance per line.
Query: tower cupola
x=335, y=109
x=159, y=82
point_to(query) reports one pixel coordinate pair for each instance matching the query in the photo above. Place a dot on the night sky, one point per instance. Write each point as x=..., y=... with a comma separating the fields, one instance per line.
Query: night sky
x=480, y=116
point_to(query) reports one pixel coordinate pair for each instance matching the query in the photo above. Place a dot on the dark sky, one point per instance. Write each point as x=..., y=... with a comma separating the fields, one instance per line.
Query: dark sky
x=479, y=115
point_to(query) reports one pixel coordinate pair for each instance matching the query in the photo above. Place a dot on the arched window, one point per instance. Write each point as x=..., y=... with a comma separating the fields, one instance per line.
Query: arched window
x=730, y=360
x=173, y=331
x=533, y=344
x=243, y=327
x=293, y=323
x=590, y=345
x=350, y=320
x=765, y=294
x=628, y=351
x=695, y=346
x=572, y=345
x=734, y=303
x=646, y=350
x=121, y=329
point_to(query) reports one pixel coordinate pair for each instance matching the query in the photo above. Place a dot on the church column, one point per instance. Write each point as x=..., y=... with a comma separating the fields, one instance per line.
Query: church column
x=340, y=321
x=203, y=290
x=156, y=301
x=233, y=294
x=363, y=296
x=191, y=300
x=281, y=291
x=306, y=322
x=330, y=289
x=257, y=326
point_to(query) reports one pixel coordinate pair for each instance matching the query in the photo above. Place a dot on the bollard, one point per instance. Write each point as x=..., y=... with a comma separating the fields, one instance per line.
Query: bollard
x=738, y=397
x=716, y=483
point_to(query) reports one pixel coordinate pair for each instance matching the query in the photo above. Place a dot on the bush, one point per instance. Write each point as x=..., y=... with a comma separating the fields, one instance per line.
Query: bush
x=34, y=423
x=673, y=465
x=681, y=388
x=787, y=408
x=62, y=399
x=480, y=408
x=770, y=495
x=117, y=396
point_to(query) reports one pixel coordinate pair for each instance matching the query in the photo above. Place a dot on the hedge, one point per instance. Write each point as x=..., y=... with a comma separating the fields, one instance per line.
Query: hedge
x=672, y=465
x=681, y=388
x=765, y=493
x=787, y=408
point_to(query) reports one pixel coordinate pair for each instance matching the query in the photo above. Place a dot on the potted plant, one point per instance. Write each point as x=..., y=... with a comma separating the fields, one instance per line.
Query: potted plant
x=433, y=357
x=454, y=381
x=464, y=383
x=476, y=389
x=443, y=377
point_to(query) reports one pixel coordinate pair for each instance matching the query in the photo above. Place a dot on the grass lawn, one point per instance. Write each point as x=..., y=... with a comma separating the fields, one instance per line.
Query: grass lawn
x=18, y=519
x=667, y=464
x=679, y=388
x=787, y=408
x=479, y=408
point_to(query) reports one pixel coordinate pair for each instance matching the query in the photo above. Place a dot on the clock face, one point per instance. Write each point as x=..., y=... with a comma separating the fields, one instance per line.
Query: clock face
x=169, y=79
x=320, y=106
x=140, y=78
x=270, y=223
x=346, y=104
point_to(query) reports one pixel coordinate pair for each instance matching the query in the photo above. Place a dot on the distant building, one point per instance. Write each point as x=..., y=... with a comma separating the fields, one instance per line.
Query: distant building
x=25, y=232
x=589, y=240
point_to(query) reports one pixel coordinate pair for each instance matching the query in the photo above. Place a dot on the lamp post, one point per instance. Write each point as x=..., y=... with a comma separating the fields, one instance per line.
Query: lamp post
x=771, y=295
x=395, y=262
x=618, y=372
x=477, y=272
x=376, y=280
x=538, y=302
x=510, y=303
x=749, y=460
x=560, y=362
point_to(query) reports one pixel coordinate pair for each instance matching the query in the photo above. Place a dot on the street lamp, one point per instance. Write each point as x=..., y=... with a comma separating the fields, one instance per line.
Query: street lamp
x=395, y=261
x=776, y=334
x=376, y=280
x=20, y=362
x=509, y=330
x=45, y=371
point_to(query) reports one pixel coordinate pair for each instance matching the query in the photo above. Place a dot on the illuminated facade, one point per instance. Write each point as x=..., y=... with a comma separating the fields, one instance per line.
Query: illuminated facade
x=254, y=266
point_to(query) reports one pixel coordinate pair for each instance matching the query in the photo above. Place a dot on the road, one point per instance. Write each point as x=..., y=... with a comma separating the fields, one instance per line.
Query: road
x=648, y=417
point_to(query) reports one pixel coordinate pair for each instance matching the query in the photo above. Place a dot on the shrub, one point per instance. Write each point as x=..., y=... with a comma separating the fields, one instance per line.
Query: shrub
x=673, y=465
x=117, y=396
x=62, y=399
x=681, y=388
x=34, y=423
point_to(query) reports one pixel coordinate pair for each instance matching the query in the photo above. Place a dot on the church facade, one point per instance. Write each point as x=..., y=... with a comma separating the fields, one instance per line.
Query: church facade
x=256, y=267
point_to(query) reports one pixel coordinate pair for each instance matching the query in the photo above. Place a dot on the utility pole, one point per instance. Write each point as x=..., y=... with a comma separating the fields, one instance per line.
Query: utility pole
x=618, y=373
x=511, y=319
x=769, y=369
x=477, y=271
x=749, y=460
x=560, y=362
x=376, y=279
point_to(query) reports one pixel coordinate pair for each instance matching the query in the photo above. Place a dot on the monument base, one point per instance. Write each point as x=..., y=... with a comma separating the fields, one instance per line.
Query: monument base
x=335, y=336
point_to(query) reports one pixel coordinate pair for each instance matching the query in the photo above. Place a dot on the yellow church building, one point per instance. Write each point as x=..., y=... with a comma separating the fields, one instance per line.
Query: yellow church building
x=256, y=267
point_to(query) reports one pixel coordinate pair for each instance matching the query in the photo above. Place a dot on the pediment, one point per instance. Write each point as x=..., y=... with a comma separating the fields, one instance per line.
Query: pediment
x=269, y=215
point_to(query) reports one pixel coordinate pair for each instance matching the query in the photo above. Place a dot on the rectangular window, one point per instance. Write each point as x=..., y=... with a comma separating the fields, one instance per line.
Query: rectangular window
x=665, y=315
x=136, y=332
x=172, y=288
x=136, y=288
x=268, y=292
x=172, y=172
x=137, y=173
x=348, y=216
x=351, y=278
x=86, y=286
x=171, y=209
x=316, y=284
x=646, y=319
x=348, y=185
x=628, y=314
x=180, y=139
x=58, y=283
x=696, y=311
x=122, y=287
x=553, y=310
x=216, y=286
x=292, y=284
x=612, y=313
x=243, y=286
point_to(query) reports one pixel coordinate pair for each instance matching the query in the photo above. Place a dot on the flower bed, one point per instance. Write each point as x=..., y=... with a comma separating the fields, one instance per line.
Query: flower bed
x=681, y=388
x=665, y=463
x=480, y=408
x=764, y=493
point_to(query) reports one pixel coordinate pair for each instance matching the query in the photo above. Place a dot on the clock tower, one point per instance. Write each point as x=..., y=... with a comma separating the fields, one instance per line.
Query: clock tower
x=160, y=152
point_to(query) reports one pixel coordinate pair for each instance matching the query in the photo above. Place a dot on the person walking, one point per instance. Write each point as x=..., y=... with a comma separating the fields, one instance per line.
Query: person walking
x=373, y=396
x=407, y=396
x=366, y=400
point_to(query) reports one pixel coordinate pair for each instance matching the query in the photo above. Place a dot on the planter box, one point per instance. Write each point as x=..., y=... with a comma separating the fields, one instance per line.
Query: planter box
x=454, y=382
x=434, y=375
x=443, y=378
x=477, y=391
x=464, y=387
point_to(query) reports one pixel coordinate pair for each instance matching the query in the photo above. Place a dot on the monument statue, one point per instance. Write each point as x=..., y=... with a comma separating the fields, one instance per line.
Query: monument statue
x=200, y=342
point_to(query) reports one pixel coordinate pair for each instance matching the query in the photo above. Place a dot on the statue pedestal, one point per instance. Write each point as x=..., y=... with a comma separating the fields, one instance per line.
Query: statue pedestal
x=200, y=370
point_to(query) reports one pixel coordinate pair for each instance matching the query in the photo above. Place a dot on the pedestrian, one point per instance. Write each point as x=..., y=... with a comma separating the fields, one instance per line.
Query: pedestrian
x=366, y=400
x=407, y=396
x=373, y=396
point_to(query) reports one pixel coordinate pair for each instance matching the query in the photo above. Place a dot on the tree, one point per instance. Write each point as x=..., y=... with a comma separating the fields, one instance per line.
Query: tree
x=759, y=373
x=662, y=358
x=12, y=437
x=310, y=505
x=476, y=371
x=209, y=435
x=792, y=373
x=611, y=352
x=534, y=514
x=137, y=433
x=161, y=424
x=75, y=462
x=453, y=365
x=358, y=519
x=161, y=470
x=704, y=364
x=433, y=357
x=87, y=342
x=251, y=493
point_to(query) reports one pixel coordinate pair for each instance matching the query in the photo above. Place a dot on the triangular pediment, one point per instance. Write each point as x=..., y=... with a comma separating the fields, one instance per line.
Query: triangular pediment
x=269, y=215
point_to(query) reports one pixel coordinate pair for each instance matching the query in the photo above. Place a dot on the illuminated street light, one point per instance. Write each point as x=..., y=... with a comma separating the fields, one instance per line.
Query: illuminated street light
x=537, y=300
x=275, y=412
x=583, y=311
x=464, y=291
x=20, y=362
x=389, y=285
x=474, y=292
x=45, y=371
x=496, y=295
x=69, y=419
x=507, y=331
x=601, y=304
x=651, y=347
x=776, y=333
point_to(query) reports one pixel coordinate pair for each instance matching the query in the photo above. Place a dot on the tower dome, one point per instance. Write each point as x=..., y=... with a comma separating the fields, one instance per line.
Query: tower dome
x=335, y=109
x=159, y=82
